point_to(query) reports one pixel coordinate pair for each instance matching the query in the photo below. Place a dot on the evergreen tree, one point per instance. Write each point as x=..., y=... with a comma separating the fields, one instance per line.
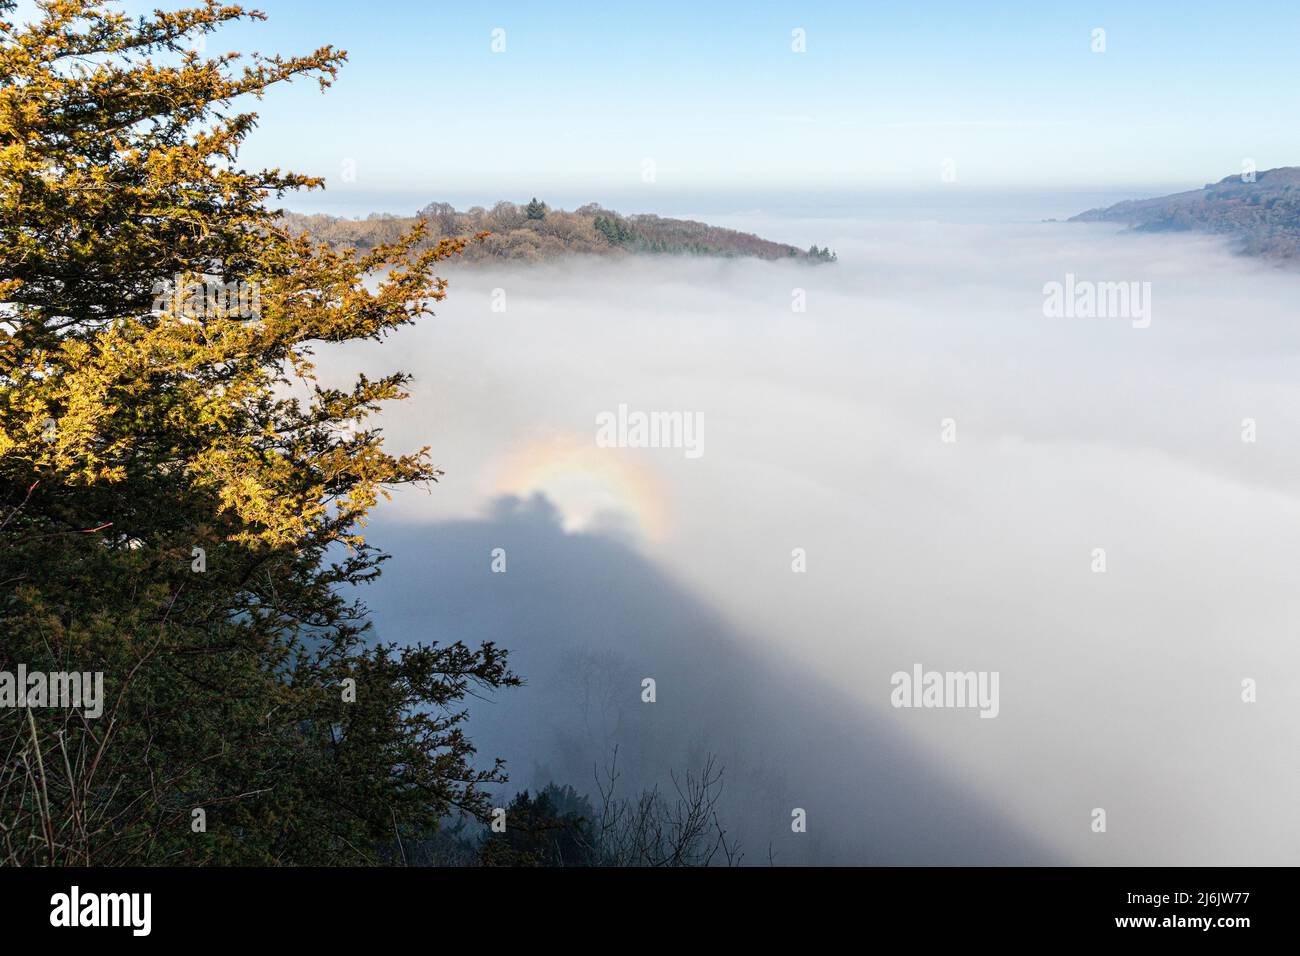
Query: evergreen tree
x=180, y=500
x=552, y=829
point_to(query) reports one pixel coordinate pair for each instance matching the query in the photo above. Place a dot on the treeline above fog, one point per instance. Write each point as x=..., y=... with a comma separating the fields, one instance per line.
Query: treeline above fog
x=533, y=232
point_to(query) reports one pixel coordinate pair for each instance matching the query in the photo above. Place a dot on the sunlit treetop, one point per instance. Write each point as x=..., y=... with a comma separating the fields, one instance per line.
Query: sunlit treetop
x=119, y=180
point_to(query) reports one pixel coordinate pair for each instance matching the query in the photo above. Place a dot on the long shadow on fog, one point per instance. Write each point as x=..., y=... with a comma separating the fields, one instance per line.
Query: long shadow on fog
x=586, y=618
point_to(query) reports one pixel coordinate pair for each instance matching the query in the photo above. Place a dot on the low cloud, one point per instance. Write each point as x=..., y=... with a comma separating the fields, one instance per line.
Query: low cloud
x=1119, y=689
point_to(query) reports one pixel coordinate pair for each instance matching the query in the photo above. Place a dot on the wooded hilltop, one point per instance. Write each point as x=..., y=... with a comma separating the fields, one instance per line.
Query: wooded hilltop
x=1258, y=211
x=533, y=232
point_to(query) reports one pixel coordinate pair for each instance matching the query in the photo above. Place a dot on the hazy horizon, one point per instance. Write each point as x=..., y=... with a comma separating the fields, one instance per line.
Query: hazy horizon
x=713, y=205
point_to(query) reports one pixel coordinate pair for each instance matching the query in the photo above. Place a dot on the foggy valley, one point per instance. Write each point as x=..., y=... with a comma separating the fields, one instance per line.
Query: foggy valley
x=948, y=457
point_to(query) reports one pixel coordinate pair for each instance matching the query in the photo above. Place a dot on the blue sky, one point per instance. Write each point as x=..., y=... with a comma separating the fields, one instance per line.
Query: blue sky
x=888, y=92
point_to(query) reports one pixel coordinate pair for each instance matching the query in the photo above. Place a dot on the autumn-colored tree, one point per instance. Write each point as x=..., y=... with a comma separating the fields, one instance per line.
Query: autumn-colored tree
x=180, y=499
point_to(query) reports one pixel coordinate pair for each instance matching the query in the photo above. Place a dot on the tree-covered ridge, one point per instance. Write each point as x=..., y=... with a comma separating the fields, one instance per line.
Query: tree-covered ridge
x=534, y=232
x=1259, y=211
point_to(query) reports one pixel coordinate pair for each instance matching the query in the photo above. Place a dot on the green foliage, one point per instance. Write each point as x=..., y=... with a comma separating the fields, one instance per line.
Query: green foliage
x=552, y=829
x=615, y=229
x=139, y=423
x=535, y=210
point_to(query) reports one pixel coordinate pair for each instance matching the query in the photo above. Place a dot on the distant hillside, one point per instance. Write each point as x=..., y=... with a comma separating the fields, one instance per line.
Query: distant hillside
x=534, y=232
x=1263, y=217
